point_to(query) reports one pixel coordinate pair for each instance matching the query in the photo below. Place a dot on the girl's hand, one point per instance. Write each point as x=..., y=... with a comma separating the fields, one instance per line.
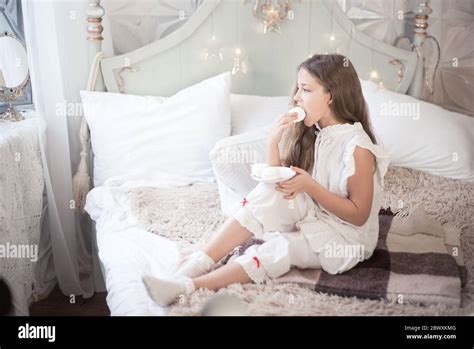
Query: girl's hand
x=298, y=184
x=281, y=125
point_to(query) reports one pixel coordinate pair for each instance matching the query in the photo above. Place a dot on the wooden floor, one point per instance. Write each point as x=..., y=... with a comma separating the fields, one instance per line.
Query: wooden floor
x=58, y=304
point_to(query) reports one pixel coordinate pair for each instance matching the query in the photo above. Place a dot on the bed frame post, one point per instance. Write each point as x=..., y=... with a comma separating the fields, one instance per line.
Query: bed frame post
x=421, y=23
x=95, y=12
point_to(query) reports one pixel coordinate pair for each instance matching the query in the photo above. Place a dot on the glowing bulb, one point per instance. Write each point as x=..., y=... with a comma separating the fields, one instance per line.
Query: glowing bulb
x=332, y=38
x=381, y=83
x=374, y=75
x=237, y=51
x=235, y=69
x=213, y=49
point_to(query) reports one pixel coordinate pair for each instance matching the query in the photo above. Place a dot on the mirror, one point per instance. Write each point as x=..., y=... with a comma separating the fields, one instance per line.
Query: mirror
x=14, y=73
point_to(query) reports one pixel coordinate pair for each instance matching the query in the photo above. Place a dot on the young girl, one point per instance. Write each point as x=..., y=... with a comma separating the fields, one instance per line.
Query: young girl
x=324, y=217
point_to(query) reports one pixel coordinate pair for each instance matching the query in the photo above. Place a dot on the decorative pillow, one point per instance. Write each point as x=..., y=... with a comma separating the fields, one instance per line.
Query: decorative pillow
x=162, y=138
x=232, y=158
x=251, y=112
x=421, y=135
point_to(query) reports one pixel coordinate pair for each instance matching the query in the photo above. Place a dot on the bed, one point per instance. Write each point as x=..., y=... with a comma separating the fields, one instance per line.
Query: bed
x=139, y=227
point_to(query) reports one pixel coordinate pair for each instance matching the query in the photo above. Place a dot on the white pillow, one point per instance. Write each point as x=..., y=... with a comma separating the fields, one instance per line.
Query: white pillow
x=232, y=158
x=162, y=138
x=250, y=112
x=421, y=135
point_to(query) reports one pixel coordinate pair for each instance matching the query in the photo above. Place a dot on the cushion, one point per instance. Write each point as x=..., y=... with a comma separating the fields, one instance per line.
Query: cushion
x=421, y=135
x=250, y=112
x=232, y=158
x=162, y=138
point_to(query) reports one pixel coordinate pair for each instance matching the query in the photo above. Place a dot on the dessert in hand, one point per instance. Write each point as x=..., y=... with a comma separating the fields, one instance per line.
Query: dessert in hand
x=301, y=113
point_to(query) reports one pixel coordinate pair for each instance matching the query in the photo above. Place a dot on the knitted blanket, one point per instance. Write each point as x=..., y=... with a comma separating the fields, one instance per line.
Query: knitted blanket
x=21, y=206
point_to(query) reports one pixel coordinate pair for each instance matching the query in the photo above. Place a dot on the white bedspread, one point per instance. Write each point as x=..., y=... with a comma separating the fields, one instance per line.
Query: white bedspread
x=127, y=251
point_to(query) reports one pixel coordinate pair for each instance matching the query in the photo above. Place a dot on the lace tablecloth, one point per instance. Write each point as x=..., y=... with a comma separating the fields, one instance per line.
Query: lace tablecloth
x=21, y=205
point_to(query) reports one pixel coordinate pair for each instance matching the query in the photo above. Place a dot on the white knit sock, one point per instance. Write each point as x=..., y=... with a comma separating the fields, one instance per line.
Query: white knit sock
x=165, y=291
x=195, y=265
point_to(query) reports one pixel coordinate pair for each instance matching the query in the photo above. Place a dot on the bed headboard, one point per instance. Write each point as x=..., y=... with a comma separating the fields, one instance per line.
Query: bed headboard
x=177, y=61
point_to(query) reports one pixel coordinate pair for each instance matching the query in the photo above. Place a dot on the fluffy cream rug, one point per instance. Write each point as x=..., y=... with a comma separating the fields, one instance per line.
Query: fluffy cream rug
x=191, y=215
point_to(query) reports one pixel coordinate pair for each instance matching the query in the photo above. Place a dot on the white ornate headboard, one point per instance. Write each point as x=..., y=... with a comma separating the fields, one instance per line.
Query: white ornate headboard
x=177, y=61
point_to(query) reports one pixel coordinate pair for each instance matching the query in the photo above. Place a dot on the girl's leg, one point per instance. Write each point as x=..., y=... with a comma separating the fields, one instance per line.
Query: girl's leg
x=165, y=291
x=269, y=260
x=230, y=235
x=267, y=208
x=230, y=273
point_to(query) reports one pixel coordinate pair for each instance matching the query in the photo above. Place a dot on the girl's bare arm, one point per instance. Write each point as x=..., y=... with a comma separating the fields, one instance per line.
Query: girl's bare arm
x=356, y=208
x=272, y=154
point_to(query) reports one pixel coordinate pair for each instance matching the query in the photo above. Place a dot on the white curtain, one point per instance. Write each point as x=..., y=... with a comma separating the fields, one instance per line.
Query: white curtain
x=65, y=248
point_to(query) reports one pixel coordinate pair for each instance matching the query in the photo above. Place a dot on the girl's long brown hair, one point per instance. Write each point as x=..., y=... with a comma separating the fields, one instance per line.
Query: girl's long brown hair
x=338, y=76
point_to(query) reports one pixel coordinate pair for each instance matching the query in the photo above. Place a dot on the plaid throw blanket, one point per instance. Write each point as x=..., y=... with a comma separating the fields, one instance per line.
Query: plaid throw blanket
x=416, y=259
